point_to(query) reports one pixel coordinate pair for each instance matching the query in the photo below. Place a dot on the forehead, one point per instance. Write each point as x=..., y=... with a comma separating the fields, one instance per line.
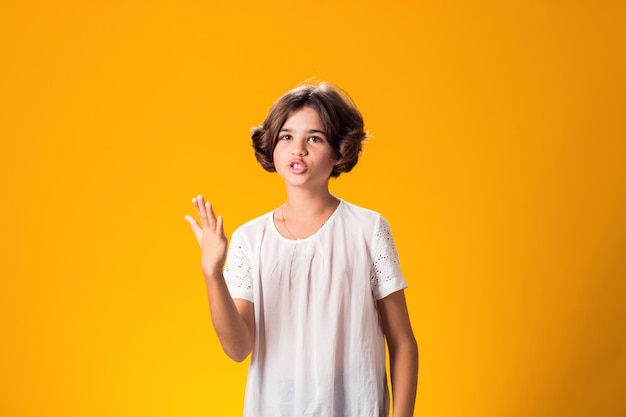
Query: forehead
x=305, y=117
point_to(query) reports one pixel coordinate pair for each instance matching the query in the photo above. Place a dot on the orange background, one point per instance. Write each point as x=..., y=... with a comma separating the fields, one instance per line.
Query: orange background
x=498, y=157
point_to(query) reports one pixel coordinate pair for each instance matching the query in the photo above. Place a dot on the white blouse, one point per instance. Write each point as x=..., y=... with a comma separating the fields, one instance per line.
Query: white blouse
x=319, y=349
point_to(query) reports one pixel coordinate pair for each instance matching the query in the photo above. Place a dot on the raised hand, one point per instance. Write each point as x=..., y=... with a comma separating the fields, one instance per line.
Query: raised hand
x=210, y=236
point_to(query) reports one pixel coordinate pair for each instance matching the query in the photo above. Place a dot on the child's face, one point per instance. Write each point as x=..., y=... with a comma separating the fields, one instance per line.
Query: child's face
x=303, y=156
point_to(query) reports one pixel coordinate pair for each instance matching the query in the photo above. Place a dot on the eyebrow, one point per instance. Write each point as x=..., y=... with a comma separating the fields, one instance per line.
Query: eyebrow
x=308, y=131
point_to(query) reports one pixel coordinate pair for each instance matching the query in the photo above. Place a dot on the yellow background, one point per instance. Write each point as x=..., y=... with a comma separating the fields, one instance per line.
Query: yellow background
x=498, y=158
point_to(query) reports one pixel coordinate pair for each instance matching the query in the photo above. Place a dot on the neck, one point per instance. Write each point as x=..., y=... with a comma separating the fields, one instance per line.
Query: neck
x=303, y=214
x=304, y=203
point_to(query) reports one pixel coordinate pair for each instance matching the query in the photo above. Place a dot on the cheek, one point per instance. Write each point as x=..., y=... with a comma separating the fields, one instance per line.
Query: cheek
x=275, y=154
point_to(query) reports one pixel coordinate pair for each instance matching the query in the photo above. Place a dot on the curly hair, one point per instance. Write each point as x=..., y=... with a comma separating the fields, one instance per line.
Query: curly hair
x=341, y=119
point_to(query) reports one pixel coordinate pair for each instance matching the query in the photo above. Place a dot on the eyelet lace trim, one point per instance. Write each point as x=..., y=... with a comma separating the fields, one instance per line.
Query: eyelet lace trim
x=385, y=266
x=238, y=272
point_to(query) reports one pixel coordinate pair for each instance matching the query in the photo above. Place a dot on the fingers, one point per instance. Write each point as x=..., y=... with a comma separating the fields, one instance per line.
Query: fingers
x=201, y=208
x=205, y=212
x=219, y=225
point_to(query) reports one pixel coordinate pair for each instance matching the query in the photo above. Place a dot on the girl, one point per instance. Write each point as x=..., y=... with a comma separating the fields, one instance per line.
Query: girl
x=313, y=288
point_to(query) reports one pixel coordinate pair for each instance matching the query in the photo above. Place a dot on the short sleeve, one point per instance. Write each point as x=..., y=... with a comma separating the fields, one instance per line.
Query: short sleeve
x=238, y=272
x=386, y=275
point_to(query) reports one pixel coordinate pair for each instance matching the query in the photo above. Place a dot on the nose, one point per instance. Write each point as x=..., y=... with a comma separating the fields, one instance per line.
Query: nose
x=299, y=147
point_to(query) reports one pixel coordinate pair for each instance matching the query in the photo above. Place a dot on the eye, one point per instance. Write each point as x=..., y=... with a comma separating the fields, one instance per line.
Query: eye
x=284, y=137
x=315, y=139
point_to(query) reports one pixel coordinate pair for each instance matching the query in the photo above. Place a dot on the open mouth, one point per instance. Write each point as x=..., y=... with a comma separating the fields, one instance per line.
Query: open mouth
x=297, y=167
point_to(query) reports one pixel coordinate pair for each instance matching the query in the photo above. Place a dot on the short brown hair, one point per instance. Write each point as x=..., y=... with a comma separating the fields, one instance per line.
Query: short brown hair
x=341, y=119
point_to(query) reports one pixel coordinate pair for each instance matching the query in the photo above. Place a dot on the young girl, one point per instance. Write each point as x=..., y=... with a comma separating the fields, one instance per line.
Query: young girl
x=313, y=288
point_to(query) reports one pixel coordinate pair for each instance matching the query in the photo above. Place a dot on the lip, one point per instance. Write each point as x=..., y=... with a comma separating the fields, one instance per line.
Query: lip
x=297, y=166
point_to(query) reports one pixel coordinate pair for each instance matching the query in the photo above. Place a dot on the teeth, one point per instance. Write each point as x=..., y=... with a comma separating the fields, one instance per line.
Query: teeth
x=297, y=165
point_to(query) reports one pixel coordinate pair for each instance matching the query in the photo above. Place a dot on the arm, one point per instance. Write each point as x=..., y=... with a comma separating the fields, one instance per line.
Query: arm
x=402, y=352
x=233, y=320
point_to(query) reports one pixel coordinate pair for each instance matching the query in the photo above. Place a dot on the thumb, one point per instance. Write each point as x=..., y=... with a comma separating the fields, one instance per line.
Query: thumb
x=195, y=227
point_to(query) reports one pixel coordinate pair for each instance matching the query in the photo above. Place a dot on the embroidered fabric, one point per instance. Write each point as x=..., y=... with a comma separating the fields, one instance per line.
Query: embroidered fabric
x=385, y=263
x=238, y=272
